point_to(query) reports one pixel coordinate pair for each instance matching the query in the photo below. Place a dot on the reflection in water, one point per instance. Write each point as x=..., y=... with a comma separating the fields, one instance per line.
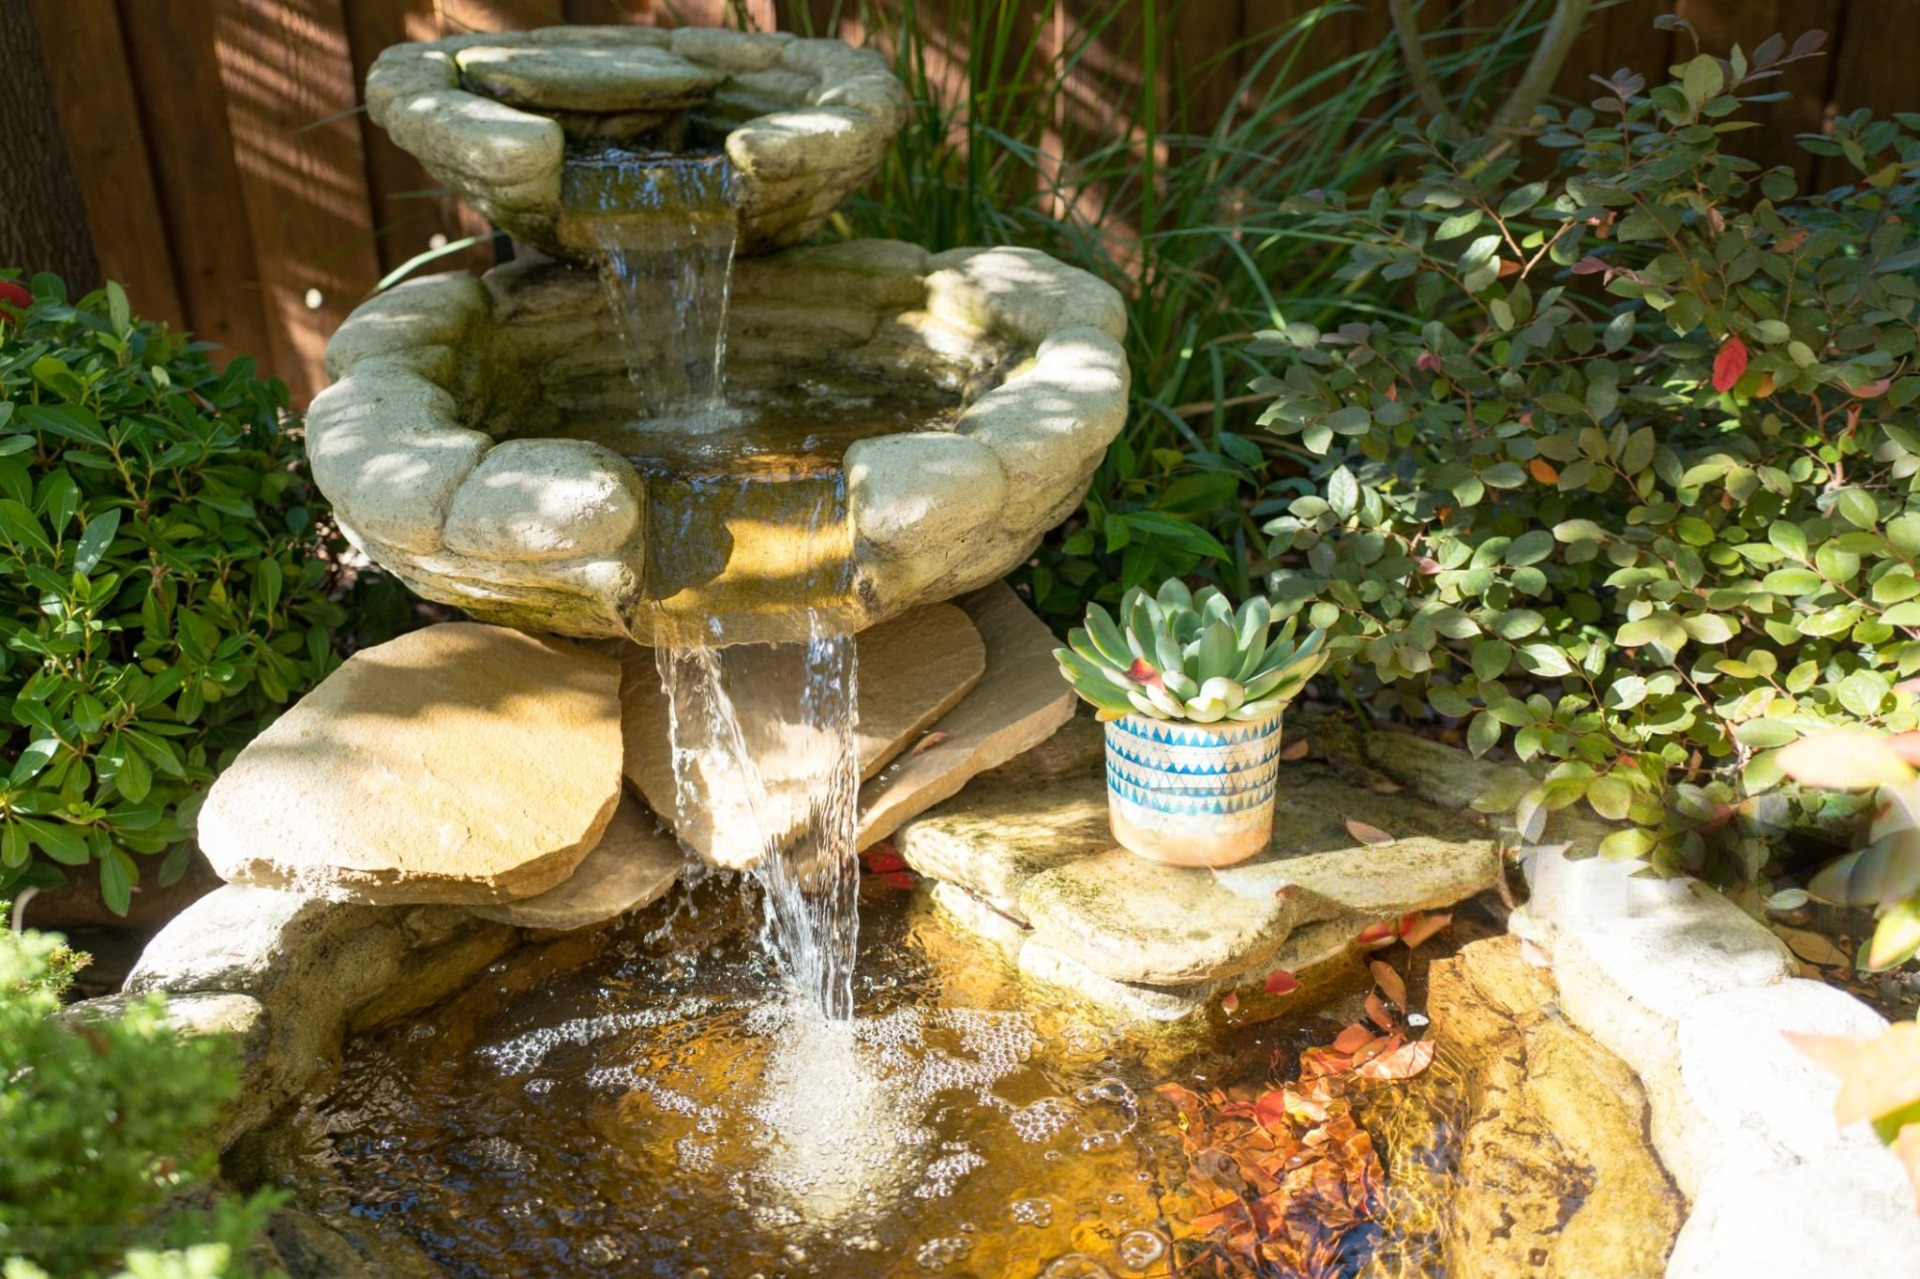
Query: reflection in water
x=671, y=1108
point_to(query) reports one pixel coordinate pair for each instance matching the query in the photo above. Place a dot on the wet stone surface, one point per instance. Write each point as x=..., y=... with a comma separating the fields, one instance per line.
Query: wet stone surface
x=1032, y=843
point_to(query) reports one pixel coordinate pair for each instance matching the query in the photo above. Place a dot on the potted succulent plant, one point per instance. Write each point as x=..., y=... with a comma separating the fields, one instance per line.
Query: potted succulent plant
x=1191, y=691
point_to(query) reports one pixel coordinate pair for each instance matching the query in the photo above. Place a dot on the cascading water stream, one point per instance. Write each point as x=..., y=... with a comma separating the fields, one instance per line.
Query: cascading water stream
x=763, y=734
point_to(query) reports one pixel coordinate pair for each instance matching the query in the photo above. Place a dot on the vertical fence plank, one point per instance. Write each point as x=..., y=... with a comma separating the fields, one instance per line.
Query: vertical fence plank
x=92, y=87
x=290, y=95
x=410, y=208
x=176, y=81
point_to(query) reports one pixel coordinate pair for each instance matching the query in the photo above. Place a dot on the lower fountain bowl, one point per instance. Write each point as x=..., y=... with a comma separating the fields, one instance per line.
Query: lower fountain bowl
x=481, y=442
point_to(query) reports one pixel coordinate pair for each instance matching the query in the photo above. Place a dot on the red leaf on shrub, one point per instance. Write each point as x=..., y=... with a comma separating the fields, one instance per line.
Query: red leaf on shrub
x=11, y=294
x=1427, y=362
x=1282, y=982
x=1729, y=364
x=1542, y=470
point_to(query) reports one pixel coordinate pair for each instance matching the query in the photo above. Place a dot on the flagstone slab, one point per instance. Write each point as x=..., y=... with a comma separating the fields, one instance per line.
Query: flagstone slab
x=1020, y=702
x=1035, y=845
x=633, y=865
x=460, y=764
x=912, y=671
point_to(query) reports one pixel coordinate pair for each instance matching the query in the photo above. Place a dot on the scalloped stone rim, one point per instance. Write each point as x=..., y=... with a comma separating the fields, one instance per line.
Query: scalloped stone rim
x=548, y=534
x=816, y=117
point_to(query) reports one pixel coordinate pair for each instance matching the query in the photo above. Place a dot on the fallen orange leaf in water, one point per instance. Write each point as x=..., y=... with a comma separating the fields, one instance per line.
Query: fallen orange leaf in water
x=1351, y=1038
x=1377, y=1012
x=1380, y=934
x=1419, y=926
x=1390, y=984
x=1284, y=1177
x=1282, y=982
x=1372, y=836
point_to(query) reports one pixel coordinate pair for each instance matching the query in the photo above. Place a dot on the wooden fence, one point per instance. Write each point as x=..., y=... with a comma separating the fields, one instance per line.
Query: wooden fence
x=233, y=188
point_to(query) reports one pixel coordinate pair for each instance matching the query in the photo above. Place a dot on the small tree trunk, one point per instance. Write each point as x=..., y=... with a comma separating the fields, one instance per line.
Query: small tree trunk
x=43, y=224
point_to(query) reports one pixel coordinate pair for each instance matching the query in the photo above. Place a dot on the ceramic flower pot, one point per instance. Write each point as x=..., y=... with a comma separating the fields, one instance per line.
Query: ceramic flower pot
x=1187, y=794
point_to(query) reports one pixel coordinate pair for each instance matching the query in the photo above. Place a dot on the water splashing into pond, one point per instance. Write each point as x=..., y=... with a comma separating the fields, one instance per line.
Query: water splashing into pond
x=762, y=734
x=764, y=750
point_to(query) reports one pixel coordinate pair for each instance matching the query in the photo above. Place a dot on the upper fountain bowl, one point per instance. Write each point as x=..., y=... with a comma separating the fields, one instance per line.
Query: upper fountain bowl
x=924, y=420
x=805, y=123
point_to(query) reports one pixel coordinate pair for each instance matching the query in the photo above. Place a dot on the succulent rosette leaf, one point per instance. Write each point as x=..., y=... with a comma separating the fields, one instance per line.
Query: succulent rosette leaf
x=1182, y=655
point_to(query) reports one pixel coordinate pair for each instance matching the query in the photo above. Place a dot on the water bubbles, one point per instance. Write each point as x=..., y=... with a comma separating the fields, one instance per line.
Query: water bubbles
x=945, y=1172
x=1039, y=1121
x=1109, y=1111
x=1107, y=1090
x=1139, y=1249
x=524, y=1054
x=602, y=1250
x=538, y=1086
x=938, y=1254
x=1031, y=1212
x=1076, y=1265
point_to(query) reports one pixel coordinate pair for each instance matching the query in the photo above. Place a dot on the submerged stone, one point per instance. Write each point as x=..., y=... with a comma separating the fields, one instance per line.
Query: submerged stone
x=459, y=764
x=1556, y=1177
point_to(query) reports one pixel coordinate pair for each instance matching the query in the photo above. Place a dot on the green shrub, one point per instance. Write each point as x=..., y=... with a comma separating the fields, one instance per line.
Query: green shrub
x=1646, y=511
x=1176, y=207
x=161, y=594
x=105, y=1128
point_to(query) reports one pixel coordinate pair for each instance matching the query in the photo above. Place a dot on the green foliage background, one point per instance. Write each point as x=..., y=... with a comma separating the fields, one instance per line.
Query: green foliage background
x=162, y=590
x=1646, y=509
x=106, y=1127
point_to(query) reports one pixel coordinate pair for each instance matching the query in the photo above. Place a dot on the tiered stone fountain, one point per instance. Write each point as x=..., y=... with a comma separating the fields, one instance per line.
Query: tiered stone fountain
x=628, y=438
x=548, y=448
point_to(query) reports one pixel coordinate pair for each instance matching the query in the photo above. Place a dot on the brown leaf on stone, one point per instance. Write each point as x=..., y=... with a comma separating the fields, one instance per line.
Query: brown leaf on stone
x=1389, y=982
x=1295, y=749
x=1372, y=836
x=1382, y=785
x=1813, y=947
x=928, y=742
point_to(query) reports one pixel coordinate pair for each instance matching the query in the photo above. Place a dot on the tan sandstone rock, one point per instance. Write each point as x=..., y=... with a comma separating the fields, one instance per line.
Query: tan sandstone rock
x=634, y=863
x=912, y=671
x=1556, y=1178
x=460, y=764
